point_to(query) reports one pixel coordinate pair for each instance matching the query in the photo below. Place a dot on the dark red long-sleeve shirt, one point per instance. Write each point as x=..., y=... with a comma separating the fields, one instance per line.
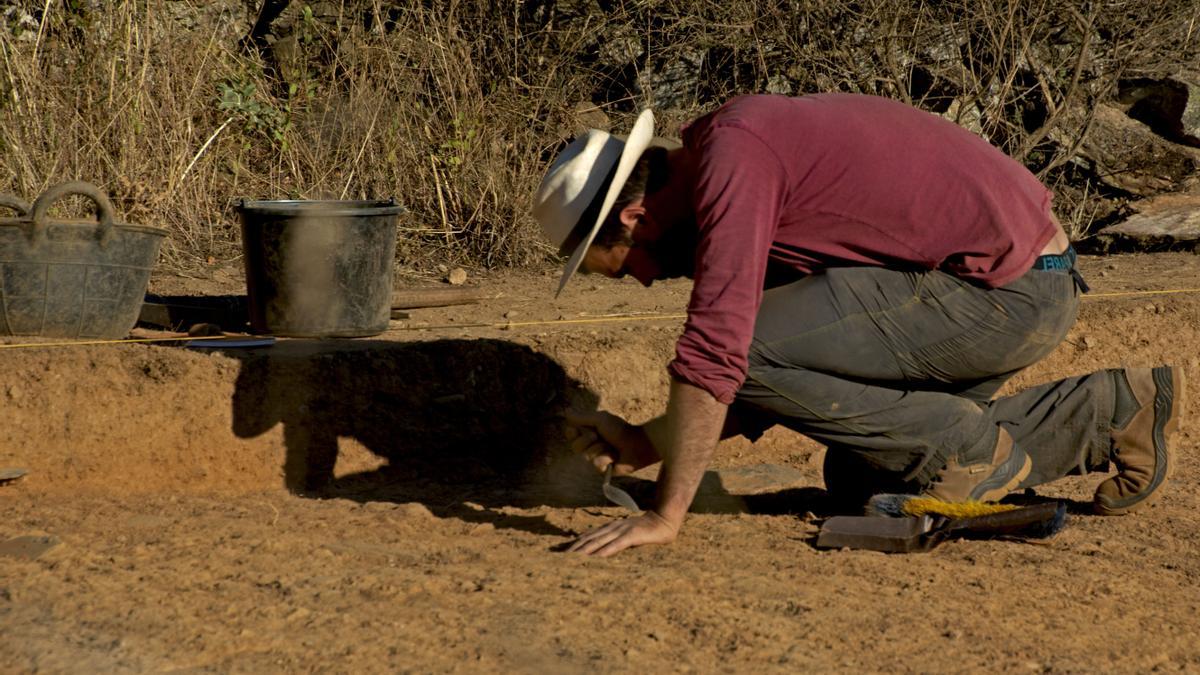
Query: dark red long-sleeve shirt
x=835, y=180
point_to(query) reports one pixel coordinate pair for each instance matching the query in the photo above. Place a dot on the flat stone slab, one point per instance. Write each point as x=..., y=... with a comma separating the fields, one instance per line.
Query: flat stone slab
x=723, y=490
x=1170, y=217
x=29, y=547
x=10, y=474
x=731, y=489
x=755, y=479
x=752, y=479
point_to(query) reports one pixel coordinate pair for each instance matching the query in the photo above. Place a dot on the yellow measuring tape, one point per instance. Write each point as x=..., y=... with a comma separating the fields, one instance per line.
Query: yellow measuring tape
x=502, y=324
x=1128, y=293
x=549, y=322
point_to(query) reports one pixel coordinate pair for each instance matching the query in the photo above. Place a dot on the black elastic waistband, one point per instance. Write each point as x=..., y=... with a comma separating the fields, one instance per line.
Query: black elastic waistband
x=1064, y=261
x=1064, y=264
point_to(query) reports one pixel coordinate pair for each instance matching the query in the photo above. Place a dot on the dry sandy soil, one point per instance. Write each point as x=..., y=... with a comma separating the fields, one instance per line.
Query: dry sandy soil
x=400, y=504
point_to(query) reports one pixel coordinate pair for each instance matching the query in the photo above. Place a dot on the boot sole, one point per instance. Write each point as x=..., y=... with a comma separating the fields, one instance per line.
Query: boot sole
x=1005, y=478
x=1169, y=401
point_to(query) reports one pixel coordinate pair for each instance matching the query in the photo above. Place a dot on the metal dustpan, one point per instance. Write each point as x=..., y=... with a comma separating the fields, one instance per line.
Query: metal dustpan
x=874, y=533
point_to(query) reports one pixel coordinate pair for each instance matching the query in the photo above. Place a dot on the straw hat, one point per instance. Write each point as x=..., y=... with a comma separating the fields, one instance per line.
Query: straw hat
x=581, y=174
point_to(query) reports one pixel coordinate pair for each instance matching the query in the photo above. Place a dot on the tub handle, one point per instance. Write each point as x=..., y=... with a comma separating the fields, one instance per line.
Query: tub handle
x=104, y=209
x=15, y=203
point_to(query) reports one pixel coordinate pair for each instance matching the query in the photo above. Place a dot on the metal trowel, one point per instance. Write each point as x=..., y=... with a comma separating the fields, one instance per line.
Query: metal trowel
x=615, y=494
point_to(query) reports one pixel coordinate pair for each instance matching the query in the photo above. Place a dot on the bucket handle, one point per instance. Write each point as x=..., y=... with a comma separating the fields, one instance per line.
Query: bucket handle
x=104, y=208
x=15, y=203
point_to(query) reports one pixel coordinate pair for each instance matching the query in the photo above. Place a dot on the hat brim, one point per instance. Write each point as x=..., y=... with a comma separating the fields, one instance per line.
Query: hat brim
x=640, y=138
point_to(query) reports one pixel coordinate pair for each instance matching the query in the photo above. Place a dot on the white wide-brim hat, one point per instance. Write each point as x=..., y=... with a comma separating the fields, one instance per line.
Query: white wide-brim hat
x=578, y=176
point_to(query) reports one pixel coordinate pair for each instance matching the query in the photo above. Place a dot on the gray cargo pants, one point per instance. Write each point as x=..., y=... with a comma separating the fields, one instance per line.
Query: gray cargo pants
x=895, y=370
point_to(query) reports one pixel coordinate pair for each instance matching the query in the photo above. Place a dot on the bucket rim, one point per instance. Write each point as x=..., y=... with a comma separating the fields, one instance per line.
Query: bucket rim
x=129, y=227
x=325, y=207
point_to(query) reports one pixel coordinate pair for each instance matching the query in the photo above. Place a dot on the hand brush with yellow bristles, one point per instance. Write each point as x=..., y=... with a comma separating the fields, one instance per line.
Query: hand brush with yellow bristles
x=975, y=517
x=898, y=506
x=920, y=524
x=913, y=533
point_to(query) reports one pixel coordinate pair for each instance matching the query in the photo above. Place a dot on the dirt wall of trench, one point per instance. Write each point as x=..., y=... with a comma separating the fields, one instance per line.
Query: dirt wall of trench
x=483, y=411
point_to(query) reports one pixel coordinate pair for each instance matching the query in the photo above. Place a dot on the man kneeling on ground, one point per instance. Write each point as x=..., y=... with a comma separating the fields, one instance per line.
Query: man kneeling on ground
x=867, y=274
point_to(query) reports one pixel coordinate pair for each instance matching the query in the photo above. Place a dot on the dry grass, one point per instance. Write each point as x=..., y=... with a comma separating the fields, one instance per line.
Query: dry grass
x=178, y=123
x=455, y=108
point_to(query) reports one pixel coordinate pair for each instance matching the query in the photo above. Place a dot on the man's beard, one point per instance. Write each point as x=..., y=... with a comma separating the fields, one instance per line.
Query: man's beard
x=672, y=255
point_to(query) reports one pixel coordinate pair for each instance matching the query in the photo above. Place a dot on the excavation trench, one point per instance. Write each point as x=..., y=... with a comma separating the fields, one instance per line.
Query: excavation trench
x=476, y=416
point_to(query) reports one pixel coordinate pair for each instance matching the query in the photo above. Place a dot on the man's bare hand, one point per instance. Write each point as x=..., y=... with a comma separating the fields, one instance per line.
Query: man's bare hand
x=640, y=530
x=683, y=440
x=604, y=438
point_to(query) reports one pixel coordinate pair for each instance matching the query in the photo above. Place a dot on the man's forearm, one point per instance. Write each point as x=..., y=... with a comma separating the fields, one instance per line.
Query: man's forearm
x=685, y=437
x=656, y=431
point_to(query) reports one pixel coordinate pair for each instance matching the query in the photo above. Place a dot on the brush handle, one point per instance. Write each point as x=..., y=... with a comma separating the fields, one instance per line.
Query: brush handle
x=1026, y=520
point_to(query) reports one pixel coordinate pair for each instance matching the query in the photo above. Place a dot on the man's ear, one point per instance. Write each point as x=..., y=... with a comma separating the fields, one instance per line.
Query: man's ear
x=632, y=215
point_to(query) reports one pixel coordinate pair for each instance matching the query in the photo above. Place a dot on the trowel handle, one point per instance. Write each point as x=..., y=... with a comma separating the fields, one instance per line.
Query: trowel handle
x=15, y=203
x=104, y=208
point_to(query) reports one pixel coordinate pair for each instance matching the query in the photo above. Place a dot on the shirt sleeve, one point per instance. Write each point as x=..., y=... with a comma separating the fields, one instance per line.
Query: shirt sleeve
x=740, y=190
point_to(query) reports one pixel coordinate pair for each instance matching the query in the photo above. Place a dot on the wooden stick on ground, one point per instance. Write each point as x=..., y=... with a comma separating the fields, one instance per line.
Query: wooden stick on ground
x=414, y=298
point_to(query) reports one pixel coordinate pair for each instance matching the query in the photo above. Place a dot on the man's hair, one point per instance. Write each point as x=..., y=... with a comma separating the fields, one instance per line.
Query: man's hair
x=649, y=176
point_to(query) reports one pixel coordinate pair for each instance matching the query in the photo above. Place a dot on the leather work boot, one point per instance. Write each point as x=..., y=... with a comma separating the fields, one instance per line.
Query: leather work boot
x=1142, y=427
x=985, y=481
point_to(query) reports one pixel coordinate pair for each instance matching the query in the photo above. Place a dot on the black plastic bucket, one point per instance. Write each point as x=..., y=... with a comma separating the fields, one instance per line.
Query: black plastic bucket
x=72, y=279
x=319, y=268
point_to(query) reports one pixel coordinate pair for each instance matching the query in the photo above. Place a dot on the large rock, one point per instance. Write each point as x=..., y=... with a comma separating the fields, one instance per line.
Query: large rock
x=1165, y=222
x=673, y=82
x=1169, y=106
x=1125, y=154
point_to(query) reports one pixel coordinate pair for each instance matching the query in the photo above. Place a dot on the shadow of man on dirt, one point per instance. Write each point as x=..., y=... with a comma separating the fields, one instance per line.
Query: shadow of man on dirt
x=464, y=427
x=458, y=422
